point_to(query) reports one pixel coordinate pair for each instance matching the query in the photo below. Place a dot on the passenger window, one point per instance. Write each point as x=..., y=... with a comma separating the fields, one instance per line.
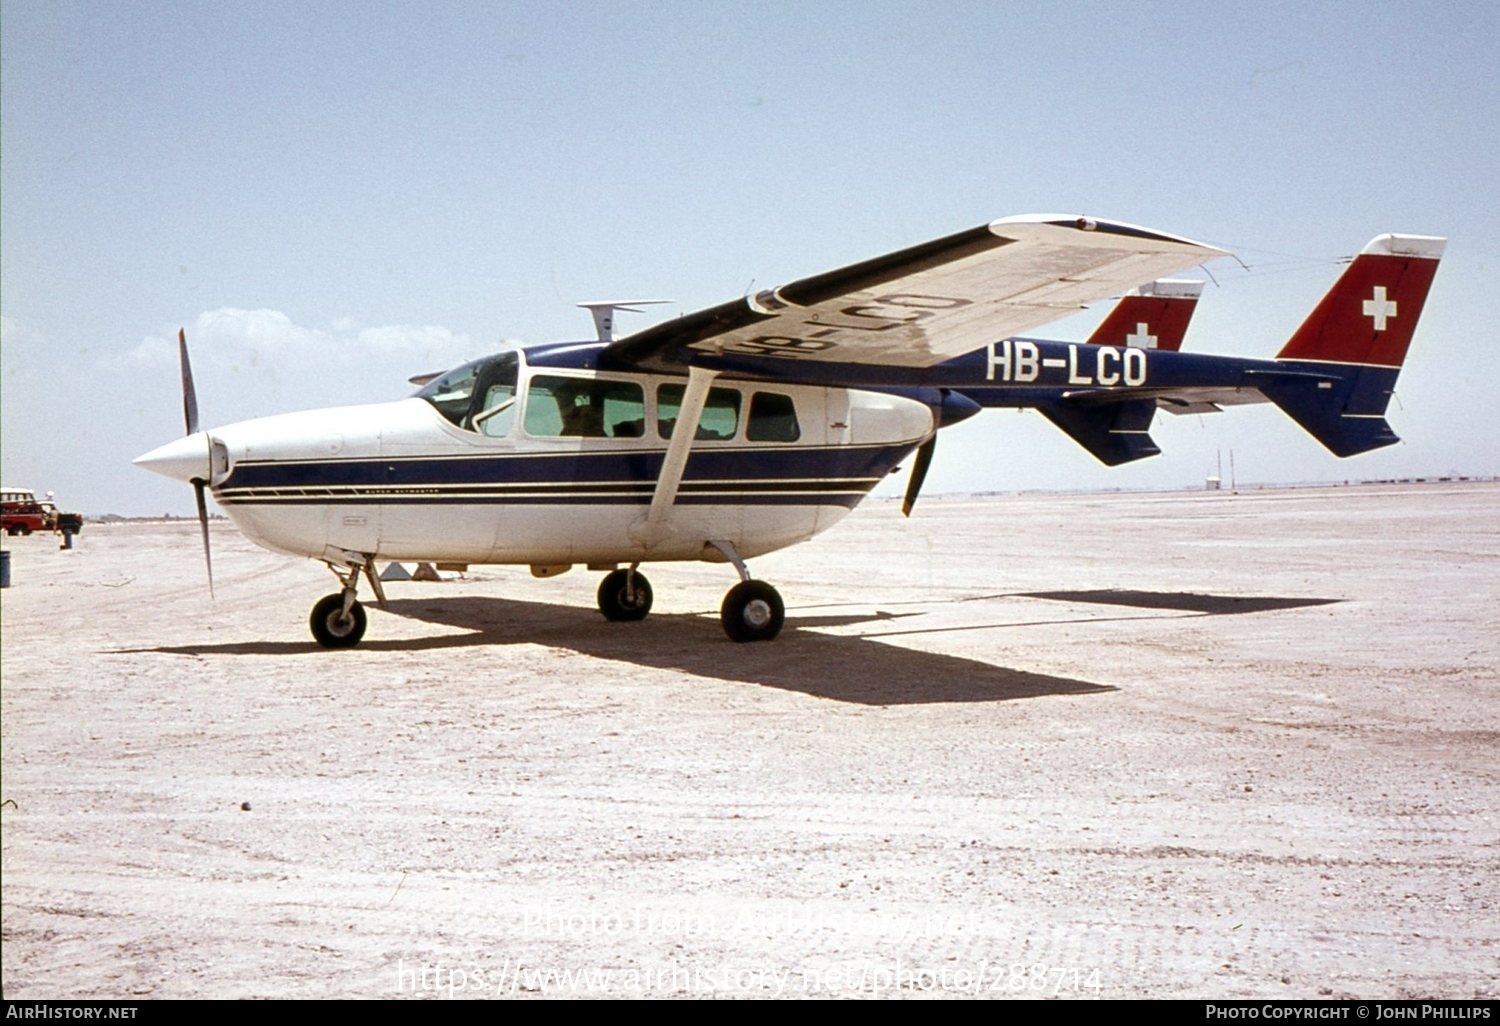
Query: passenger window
x=773, y=418
x=721, y=412
x=585, y=408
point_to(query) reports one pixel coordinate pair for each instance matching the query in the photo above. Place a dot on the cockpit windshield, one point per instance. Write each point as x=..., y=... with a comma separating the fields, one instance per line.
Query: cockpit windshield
x=478, y=396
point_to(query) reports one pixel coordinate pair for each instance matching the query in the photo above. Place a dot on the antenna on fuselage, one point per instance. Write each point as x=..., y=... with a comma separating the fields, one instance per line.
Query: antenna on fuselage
x=604, y=313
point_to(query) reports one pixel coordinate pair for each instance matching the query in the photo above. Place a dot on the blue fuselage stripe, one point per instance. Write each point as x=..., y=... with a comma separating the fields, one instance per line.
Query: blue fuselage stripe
x=792, y=475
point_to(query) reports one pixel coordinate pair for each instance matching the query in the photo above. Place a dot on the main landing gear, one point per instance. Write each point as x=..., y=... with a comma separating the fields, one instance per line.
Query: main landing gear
x=338, y=620
x=625, y=595
x=752, y=610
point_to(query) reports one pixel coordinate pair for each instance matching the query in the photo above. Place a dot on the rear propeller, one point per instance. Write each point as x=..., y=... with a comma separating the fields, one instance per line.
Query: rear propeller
x=951, y=408
x=918, y=473
x=190, y=417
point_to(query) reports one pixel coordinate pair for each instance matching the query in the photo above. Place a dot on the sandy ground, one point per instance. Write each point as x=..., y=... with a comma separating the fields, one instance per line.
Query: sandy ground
x=1187, y=745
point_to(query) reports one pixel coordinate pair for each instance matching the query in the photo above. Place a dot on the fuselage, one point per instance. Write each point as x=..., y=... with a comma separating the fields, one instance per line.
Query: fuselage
x=543, y=457
x=540, y=458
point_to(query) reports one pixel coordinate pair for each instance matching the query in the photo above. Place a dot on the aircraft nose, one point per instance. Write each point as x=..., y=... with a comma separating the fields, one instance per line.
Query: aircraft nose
x=185, y=459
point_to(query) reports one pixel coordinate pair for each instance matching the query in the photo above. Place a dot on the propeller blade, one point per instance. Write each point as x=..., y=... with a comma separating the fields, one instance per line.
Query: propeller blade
x=918, y=474
x=189, y=394
x=208, y=561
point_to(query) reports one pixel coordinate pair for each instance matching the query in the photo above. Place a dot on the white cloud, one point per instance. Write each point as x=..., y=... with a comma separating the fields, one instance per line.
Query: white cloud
x=13, y=332
x=254, y=332
x=436, y=345
x=153, y=350
x=235, y=335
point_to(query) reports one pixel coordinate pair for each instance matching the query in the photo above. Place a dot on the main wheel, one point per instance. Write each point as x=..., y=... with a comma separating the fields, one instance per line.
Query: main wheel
x=23, y=529
x=616, y=600
x=332, y=628
x=752, y=611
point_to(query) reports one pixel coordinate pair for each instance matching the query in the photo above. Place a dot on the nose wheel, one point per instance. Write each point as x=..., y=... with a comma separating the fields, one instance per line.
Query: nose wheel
x=338, y=620
x=335, y=627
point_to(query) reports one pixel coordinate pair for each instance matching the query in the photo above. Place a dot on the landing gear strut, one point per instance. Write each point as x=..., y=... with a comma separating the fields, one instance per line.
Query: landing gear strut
x=338, y=620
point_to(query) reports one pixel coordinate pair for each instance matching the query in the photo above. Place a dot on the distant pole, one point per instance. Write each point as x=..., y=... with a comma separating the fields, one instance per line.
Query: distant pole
x=1232, y=485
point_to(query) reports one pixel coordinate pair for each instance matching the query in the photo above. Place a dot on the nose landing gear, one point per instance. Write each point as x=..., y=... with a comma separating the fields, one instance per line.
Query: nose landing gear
x=334, y=626
x=338, y=620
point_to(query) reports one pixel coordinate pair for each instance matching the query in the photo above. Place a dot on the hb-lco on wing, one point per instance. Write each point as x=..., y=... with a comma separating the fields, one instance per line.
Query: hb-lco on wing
x=756, y=424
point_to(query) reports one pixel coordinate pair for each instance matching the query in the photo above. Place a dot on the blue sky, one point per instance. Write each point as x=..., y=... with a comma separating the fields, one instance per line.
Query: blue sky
x=334, y=196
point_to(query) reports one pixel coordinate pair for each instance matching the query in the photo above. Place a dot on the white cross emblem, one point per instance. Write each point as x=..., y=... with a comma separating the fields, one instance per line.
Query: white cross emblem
x=1141, y=338
x=1378, y=308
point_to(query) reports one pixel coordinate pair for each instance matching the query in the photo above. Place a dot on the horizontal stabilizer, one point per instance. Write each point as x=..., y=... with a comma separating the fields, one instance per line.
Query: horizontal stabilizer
x=1114, y=432
x=1345, y=411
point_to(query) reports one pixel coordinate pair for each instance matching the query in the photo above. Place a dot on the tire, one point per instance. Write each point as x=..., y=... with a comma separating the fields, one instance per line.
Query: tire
x=329, y=627
x=615, y=598
x=13, y=530
x=752, y=611
x=23, y=529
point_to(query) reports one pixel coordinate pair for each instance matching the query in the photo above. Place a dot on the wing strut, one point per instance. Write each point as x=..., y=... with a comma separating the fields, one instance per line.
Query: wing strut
x=653, y=528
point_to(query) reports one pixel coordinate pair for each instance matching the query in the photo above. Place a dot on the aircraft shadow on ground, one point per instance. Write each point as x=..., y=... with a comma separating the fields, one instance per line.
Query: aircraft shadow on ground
x=1185, y=605
x=842, y=668
x=1185, y=601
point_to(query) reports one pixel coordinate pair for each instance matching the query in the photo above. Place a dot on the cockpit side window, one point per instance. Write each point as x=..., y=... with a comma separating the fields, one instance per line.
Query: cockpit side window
x=452, y=392
x=478, y=396
x=499, y=410
x=558, y=407
x=493, y=411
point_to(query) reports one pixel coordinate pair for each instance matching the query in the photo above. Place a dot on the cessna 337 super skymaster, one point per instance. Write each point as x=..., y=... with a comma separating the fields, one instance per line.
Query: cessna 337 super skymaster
x=756, y=424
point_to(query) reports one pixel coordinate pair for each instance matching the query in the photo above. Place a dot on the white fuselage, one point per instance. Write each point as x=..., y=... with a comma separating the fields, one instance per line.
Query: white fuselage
x=400, y=480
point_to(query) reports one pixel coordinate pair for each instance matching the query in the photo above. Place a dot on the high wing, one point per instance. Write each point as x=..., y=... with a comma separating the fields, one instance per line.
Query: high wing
x=921, y=306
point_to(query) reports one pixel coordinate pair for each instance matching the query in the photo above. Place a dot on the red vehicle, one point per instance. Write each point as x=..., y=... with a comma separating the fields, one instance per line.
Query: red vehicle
x=24, y=513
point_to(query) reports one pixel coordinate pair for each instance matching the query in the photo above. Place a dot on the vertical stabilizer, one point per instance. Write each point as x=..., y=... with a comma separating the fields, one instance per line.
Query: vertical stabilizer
x=1154, y=316
x=1343, y=362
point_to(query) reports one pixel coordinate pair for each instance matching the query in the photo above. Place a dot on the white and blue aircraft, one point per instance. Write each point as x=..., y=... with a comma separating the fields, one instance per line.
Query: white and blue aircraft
x=753, y=425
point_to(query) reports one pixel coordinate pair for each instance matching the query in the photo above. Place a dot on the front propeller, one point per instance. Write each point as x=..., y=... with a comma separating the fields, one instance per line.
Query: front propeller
x=190, y=419
x=188, y=458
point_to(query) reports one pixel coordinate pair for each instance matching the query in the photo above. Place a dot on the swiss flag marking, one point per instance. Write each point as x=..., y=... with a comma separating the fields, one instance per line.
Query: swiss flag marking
x=1378, y=308
x=1142, y=337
